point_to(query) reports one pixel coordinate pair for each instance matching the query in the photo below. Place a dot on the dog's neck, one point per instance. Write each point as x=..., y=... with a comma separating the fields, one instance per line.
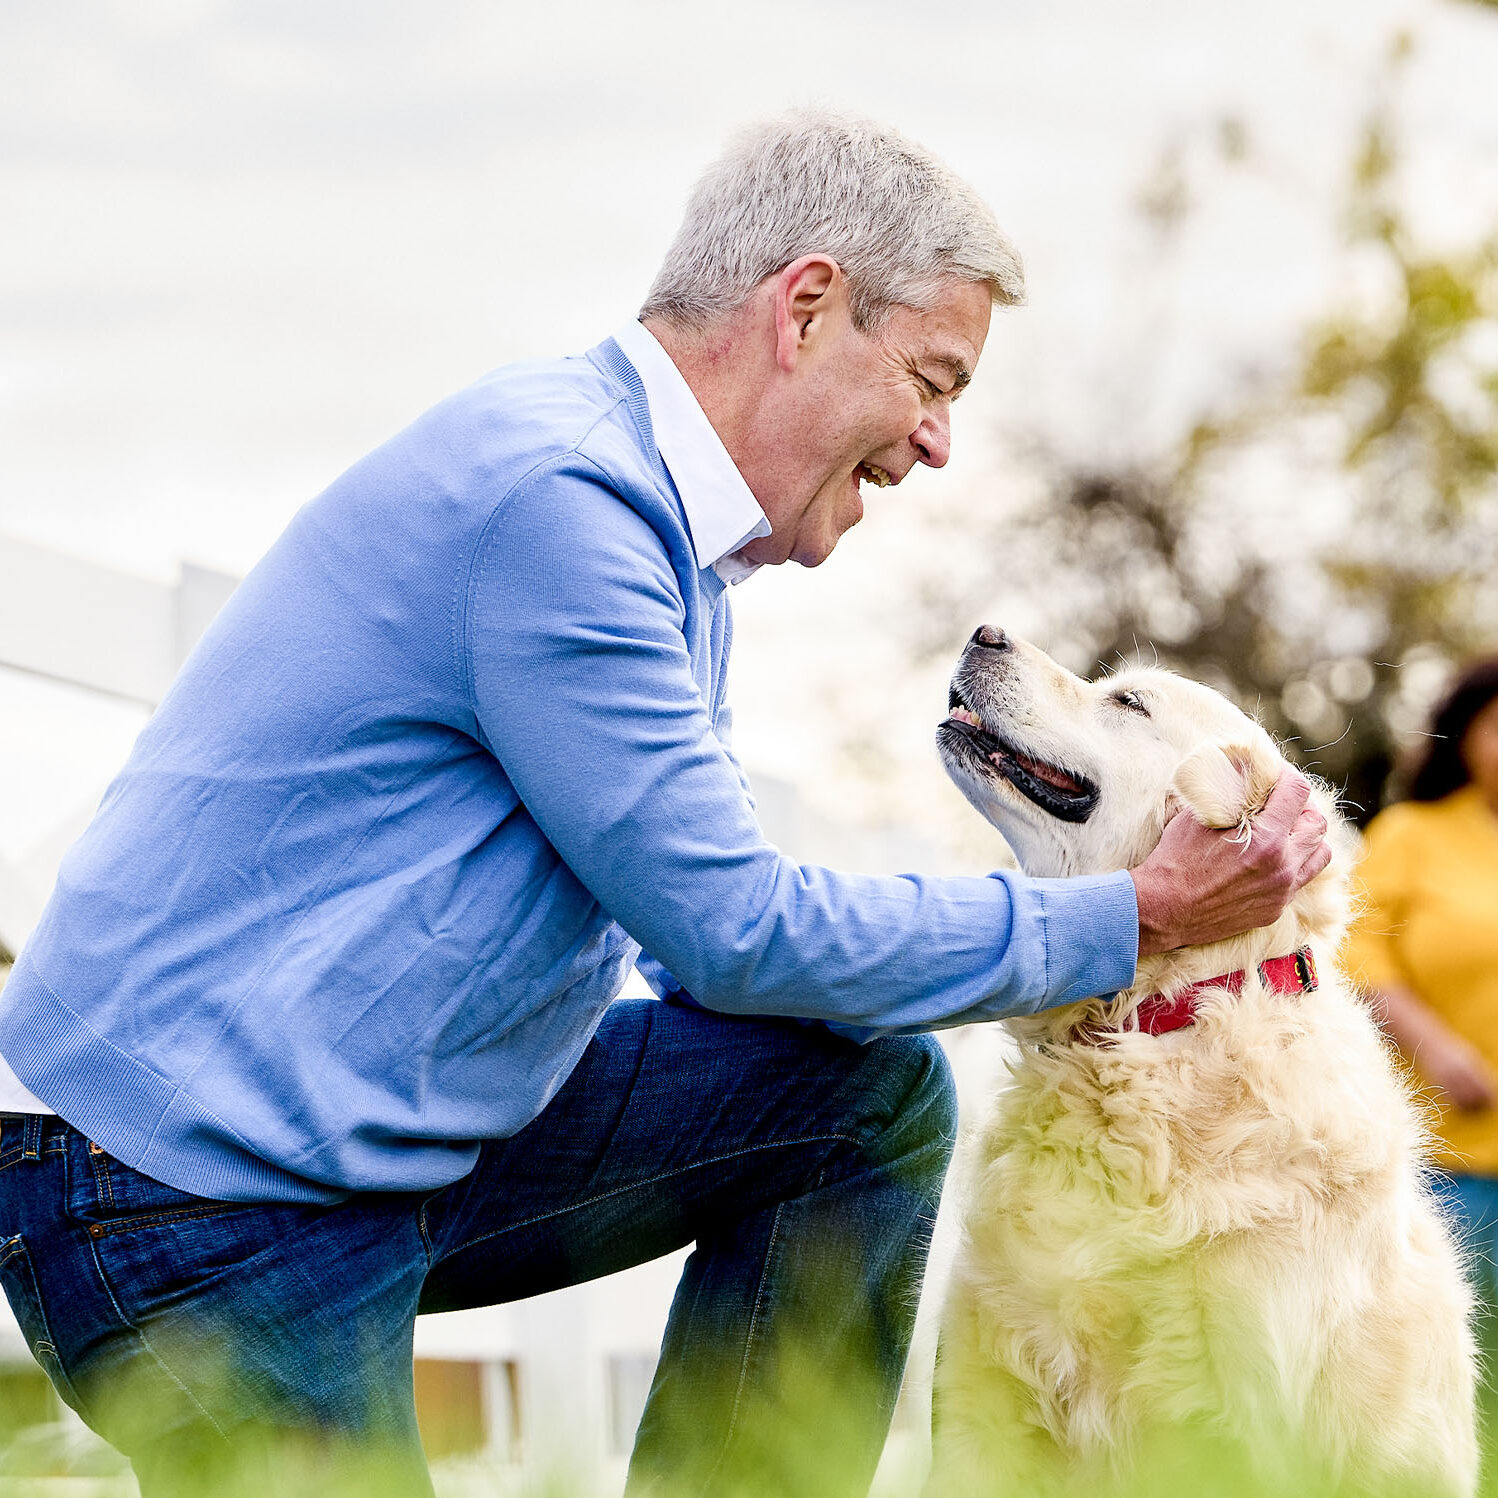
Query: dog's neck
x=1169, y=972
x=1291, y=974
x=1312, y=921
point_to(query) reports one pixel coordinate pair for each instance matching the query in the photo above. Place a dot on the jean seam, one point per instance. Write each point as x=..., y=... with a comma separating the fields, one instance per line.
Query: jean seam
x=103, y=1185
x=161, y=1219
x=43, y=1347
x=14, y=1157
x=665, y=1175
x=145, y=1342
x=755, y=1317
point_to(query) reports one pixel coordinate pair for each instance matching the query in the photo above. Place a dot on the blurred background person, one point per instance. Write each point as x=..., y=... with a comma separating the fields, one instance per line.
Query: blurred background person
x=1426, y=946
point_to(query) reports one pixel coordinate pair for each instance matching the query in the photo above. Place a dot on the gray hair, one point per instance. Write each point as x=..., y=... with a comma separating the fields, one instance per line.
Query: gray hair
x=897, y=221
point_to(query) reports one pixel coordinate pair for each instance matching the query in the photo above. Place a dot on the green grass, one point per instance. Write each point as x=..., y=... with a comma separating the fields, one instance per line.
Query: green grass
x=1175, y=1464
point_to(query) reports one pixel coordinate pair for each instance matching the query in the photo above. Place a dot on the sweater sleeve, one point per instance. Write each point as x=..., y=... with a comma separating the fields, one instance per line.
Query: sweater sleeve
x=1381, y=893
x=583, y=688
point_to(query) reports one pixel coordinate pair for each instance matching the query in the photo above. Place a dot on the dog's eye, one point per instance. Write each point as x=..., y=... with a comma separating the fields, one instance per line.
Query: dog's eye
x=1133, y=701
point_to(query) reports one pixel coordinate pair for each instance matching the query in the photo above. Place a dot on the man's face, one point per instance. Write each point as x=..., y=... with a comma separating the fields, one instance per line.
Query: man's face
x=864, y=409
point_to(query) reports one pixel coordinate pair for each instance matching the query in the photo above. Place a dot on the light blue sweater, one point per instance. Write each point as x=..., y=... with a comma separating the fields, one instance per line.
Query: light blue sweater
x=446, y=759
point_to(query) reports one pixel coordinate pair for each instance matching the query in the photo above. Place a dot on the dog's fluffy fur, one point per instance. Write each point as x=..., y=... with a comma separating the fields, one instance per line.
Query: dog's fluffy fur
x=1211, y=1248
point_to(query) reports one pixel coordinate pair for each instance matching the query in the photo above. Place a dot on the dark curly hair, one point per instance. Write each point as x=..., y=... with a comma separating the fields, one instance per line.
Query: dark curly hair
x=1439, y=770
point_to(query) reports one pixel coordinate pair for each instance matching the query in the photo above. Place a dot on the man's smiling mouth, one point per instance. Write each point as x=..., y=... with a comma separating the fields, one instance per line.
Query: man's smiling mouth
x=875, y=475
x=1060, y=793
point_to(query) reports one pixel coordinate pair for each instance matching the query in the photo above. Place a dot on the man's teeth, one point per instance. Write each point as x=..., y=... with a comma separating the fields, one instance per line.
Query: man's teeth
x=875, y=475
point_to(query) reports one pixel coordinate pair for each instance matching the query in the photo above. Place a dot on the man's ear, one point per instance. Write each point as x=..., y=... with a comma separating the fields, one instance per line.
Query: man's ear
x=805, y=292
x=1223, y=785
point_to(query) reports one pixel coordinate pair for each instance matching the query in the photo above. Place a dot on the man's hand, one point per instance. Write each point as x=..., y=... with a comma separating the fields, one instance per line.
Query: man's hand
x=1199, y=885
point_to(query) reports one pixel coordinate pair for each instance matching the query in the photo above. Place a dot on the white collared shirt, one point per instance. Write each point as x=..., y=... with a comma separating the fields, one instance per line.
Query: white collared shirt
x=15, y=1096
x=722, y=515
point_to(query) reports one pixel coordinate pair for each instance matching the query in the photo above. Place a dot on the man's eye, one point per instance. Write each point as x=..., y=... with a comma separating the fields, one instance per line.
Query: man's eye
x=1133, y=701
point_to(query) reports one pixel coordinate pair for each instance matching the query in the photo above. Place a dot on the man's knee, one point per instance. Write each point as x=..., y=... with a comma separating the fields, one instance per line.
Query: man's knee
x=916, y=1116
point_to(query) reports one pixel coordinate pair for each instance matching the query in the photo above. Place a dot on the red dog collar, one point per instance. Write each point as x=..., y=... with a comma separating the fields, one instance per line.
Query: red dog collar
x=1295, y=973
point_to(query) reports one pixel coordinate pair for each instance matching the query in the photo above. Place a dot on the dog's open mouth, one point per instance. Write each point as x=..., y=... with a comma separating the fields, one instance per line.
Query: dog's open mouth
x=1060, y=793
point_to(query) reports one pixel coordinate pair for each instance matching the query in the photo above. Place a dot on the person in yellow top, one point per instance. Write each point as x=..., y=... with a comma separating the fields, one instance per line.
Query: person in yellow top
x=1425, y=945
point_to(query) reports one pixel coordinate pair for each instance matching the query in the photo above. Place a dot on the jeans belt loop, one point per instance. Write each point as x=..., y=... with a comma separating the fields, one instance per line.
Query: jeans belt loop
x=31, y=1136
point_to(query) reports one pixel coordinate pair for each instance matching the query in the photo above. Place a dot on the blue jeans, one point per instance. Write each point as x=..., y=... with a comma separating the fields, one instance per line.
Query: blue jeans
x=208, y=1339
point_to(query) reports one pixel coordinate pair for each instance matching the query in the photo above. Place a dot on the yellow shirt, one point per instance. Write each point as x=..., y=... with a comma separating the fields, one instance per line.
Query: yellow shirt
x=1429, y=921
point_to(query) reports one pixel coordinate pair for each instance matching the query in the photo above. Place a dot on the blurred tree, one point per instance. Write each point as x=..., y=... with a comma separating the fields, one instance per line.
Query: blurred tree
x=1323, y=551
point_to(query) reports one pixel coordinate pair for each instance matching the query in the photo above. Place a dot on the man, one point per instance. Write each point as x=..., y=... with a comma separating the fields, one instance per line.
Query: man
x=321, y=1005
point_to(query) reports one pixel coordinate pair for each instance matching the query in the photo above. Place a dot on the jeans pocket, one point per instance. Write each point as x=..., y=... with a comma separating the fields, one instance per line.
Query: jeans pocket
x=19, y=1280
x=123, y=1196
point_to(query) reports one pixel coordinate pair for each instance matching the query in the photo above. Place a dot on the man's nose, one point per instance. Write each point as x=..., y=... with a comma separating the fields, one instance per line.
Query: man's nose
x=933, y=438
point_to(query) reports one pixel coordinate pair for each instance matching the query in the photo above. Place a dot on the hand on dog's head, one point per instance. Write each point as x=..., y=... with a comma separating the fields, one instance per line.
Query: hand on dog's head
x=1248, y=852
x=1143, y=745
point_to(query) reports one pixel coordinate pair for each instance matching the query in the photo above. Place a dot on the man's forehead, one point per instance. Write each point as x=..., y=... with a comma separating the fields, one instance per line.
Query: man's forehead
x=952, y=330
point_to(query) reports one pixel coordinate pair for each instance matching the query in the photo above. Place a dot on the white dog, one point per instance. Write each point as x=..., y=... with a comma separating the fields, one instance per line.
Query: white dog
x=1197, y=1254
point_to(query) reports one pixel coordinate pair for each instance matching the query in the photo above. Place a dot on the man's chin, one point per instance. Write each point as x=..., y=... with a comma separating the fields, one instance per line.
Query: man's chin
x=814, y=552
x=766, y=553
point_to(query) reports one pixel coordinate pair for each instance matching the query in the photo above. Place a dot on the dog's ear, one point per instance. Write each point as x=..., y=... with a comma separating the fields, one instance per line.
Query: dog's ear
x=1224, y=785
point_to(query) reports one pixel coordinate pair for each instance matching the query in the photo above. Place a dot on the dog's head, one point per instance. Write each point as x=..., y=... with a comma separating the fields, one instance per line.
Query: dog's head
x=1082, y=776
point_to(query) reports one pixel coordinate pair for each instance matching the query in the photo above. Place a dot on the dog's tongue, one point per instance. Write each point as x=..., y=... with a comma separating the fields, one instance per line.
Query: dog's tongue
x=1048, y=773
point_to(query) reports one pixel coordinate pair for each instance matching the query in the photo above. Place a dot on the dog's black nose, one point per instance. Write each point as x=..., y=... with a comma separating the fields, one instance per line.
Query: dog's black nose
x=990, y=639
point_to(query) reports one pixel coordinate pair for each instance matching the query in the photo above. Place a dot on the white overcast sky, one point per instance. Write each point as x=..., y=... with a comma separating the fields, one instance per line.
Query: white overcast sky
x=245, y=240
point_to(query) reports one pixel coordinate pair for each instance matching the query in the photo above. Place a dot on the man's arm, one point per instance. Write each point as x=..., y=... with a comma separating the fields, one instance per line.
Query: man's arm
x=583, y=688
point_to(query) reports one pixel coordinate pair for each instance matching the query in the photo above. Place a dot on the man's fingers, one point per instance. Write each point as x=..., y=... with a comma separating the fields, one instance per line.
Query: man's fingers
x=1320, y=856
x=1310, y=828
x=1286, y=802
x=1308, y=849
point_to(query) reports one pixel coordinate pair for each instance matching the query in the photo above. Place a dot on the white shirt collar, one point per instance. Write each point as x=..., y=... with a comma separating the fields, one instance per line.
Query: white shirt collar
x=722, y=515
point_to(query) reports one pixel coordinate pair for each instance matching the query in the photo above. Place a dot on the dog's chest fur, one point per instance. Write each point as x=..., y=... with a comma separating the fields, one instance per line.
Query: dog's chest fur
x=1217, y=1230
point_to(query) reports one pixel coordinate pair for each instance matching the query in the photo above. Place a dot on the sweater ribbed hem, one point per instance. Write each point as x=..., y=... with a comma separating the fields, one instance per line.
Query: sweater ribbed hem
x=131, y=1111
